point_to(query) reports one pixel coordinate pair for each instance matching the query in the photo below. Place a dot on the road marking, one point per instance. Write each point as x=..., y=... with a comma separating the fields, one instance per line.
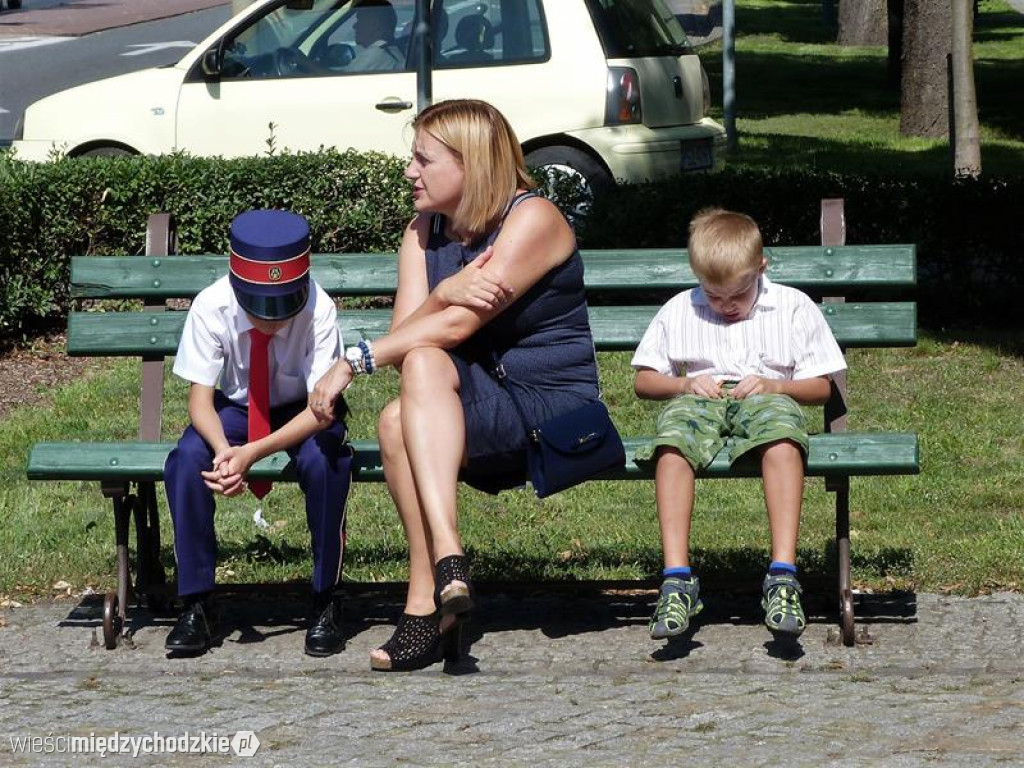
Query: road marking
x=4, y=111
x=20, y=43
x=144, y=48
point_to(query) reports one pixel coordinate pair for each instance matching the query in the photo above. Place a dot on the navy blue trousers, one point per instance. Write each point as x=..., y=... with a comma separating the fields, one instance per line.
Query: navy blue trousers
x=322, y=462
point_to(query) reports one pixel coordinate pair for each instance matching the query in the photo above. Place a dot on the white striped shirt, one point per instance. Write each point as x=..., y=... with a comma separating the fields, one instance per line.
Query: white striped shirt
x=785, y=336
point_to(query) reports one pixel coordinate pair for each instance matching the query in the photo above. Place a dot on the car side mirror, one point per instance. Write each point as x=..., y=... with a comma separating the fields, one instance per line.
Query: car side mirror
x=212, y=62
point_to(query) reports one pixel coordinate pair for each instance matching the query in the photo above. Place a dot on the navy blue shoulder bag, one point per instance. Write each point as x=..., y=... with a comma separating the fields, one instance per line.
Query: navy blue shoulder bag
x=570, y=448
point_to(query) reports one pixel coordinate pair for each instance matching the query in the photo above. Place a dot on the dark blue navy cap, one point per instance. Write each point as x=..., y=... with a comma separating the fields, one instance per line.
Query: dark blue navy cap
x=270, y=263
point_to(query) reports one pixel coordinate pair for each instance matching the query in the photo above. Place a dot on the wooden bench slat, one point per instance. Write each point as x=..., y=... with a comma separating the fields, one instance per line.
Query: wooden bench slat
x=368, y=274
x=119, y=334
x=831, y=455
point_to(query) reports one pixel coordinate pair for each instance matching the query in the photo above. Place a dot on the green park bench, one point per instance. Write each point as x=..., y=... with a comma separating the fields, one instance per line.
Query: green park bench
x=620, y=284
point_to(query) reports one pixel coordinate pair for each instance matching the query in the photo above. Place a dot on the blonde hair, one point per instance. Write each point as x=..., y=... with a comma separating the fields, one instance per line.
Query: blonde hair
x=490, y=155
x=724, y=244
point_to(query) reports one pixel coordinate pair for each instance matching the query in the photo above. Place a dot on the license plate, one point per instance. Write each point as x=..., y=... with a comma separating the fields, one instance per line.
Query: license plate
x=695, y=155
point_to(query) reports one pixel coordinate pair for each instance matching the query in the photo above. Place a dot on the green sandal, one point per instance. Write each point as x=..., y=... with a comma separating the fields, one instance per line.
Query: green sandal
x=784, y=616
x=678, y=602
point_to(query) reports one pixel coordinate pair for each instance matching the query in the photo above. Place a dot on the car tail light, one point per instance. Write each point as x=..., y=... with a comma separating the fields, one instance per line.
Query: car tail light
x=622, y=103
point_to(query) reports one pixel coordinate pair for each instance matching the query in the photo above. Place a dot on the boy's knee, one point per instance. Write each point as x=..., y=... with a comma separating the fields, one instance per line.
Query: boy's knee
x=191, y=451
x=323, y=454
x=782, y=450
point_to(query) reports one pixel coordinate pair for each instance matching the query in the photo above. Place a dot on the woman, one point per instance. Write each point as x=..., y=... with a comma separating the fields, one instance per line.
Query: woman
x=487, y=272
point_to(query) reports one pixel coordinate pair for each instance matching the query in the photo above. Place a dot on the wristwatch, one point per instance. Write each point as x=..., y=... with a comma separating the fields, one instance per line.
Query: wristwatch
x=354, y=358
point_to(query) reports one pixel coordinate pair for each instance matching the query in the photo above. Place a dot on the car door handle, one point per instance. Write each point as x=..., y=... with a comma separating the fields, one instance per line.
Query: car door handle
x=393, y=105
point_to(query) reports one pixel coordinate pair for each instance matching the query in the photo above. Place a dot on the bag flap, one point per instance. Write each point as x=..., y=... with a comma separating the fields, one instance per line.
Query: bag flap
x=576, y=432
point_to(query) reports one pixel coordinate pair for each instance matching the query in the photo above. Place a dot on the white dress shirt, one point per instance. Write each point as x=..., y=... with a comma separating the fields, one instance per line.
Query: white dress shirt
x=379, y=56
x=214, y=346
x=785, y=336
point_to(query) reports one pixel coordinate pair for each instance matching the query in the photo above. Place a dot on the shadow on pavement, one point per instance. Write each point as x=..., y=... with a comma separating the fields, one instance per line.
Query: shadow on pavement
x=559, y=609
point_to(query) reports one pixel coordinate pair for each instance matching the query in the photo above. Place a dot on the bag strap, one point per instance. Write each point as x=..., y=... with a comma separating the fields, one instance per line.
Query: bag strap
x=499, y=373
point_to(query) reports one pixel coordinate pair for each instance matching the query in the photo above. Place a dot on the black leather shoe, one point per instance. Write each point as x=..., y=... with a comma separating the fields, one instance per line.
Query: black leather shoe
x=324, y=637
x=194, y=631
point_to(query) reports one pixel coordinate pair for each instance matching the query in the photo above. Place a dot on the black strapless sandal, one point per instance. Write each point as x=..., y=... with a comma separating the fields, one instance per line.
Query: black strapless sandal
x=453, y=598
x=418, y=642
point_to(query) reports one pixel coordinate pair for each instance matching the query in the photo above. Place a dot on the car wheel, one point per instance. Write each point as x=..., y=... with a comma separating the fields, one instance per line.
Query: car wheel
x=107, y=152
x=572, y=178
x=14, y=4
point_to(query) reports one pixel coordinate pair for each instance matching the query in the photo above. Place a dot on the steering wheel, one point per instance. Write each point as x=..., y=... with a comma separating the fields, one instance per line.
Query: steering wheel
x=290, y=62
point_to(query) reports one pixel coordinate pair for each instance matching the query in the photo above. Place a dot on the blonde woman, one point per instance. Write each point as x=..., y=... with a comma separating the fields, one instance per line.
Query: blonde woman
x=487, y=272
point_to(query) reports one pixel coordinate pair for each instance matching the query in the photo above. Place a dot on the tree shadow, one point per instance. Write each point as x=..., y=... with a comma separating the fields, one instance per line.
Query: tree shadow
x=856, y=157
x=998, y=27
x=776, y=84
x=771, y=84
x=797, y=21
x=998, y=83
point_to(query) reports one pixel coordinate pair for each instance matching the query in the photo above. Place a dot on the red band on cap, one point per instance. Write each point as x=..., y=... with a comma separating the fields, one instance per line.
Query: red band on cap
x=269, y=272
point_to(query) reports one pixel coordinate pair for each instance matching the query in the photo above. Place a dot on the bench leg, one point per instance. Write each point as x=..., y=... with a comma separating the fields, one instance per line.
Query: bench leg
x=150, y=577
x=115, y=605
x=843, y=552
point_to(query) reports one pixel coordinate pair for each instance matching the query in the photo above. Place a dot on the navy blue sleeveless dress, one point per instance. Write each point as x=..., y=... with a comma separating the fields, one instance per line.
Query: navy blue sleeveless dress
x=544, y=342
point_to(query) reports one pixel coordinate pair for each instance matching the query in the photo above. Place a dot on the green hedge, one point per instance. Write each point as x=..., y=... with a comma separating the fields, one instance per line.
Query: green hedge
x=969, y=233
x=100, y=205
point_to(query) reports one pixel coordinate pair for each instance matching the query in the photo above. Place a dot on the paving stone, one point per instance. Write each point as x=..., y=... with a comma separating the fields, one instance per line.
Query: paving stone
x=552, y=680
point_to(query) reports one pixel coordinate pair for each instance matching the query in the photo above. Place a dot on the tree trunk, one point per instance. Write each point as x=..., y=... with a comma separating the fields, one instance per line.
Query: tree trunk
x=863, y=22
x=927, y=39
x=967, y=158
x=893, y=67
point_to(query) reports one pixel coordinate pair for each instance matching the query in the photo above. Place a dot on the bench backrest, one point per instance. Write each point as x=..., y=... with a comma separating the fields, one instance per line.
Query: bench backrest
x=628, y=278
x=625, y=289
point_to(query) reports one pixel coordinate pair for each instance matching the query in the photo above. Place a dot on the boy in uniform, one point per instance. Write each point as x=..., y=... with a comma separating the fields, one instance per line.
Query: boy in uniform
x=734, y=357
x=265, y=333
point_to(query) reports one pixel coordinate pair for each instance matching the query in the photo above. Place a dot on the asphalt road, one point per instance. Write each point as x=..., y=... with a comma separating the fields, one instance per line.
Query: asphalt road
x=51, y=45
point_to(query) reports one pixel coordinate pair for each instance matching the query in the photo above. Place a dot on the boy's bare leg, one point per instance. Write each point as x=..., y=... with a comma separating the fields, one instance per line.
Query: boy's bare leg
x=782, y=470
x=674, y=483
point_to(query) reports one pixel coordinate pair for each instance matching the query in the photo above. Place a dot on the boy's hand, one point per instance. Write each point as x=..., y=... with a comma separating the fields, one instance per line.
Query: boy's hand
x=471, y=288
x=705, y=386
x=327, y=389
x=230, y=467
x=753, y=385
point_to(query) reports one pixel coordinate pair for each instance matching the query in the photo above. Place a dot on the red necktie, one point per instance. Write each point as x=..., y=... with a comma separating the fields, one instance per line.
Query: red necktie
x=259, y=399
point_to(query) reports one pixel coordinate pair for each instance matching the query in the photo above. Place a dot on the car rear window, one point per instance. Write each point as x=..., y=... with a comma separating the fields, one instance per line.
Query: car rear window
x=632, y=28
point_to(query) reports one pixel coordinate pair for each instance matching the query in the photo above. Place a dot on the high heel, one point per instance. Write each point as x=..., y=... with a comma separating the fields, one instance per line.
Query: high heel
x=416, y=643
x=451, y=639
x=453, y=594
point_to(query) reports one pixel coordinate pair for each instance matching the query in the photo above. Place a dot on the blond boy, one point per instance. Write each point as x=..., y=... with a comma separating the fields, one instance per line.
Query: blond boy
x=734, y=357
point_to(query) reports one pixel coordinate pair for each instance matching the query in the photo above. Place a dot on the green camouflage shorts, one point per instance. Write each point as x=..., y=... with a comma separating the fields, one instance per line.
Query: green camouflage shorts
x=698, y=427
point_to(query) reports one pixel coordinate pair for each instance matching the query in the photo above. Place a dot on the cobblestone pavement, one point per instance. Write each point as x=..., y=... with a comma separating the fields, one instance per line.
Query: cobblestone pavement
x=562, y=679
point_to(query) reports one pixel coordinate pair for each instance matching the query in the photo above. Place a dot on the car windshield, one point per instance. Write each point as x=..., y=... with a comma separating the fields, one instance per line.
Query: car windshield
x=631, y=28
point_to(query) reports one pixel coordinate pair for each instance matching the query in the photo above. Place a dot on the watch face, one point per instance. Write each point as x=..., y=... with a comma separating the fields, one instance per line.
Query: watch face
x=354, y=357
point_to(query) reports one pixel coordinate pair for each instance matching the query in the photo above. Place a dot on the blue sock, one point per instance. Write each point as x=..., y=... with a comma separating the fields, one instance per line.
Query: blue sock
x=681, y=572
x=778, y=568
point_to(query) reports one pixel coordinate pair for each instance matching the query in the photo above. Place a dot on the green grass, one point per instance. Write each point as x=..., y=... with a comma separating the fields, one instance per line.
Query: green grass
x=803, y=98
x=959, y=526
